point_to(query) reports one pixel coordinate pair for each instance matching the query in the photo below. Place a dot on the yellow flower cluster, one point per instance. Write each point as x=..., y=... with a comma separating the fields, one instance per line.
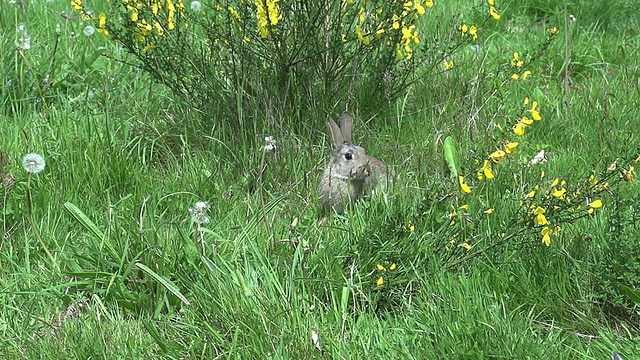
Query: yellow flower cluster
x=448, y=64
x=453, y=241
x=152, y=18
x=470, y=31
x=268, y=16
x=382, y=268
x=496, y=157
x=378, y=23
x=516, y=65
x=492, y=10
x=525, y=121
x=409, y=36
x=86, y=16
x=554, y=197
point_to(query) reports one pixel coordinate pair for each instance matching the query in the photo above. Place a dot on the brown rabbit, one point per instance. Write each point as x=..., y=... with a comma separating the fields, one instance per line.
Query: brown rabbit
x=350, y=172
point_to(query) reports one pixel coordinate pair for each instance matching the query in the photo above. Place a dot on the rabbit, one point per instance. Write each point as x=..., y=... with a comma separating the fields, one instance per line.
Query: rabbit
x=350, y=173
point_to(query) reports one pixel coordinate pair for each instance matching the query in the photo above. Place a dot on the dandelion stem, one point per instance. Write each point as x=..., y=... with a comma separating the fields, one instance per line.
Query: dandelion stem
x=35, y=228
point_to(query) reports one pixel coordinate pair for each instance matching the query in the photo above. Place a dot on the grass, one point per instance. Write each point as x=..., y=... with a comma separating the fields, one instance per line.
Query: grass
x=126, y=160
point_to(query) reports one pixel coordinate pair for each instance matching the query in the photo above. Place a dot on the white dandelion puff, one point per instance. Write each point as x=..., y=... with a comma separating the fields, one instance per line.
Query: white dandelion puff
x=315, y=339
x=33, y=163
x=89, y=31
x=196, y=6
x=269, y=144
x=24, y=41
x=199, y=213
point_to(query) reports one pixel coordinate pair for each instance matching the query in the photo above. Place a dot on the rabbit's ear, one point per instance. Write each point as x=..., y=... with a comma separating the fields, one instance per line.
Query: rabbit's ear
x=336, y=134
x=346, y=124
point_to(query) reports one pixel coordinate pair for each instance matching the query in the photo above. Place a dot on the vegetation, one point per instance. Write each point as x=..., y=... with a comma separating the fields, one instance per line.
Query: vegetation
x=159, y=162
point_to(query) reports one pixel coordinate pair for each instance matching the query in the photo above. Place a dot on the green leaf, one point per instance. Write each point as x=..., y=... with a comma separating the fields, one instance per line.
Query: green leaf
x=451, y=156
x=153, y=331
x=84, y=220
x=632, y=294
x=173, y=288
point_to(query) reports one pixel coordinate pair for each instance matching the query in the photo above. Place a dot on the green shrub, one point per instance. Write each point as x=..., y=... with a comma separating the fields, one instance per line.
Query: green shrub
x=225, y=57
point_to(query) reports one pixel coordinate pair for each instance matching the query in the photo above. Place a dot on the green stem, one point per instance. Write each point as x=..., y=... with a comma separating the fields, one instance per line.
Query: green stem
x=36, y=231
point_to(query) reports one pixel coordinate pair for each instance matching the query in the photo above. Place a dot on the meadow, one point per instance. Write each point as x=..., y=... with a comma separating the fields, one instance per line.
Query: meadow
x=159, y=162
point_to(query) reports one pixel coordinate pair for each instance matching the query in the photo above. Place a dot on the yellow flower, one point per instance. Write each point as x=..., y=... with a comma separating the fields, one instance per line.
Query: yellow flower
x=267, y=18
x=489, y=211
x=102, y=20
x=518, y=128
x=159, y=28
x=473, y=31
x=486, y=170
x=553, y=32
x=102, y=24
x=597, y=204
x=428, y=3
x=392, y=267
x=76, y=4
x=534, y=113
x=491, y=2
x=134, y=13
x=515, y=76
x=361, y=36
x=380, y=281
x=533, y=192
x=494, y=13
x=510, y=147
x=516, y=62
x=463, y=186
x=526, y=74
x=546, y=235
x=466, y=246
x=525, y=120
x=540, y=219
x=419, y=8
x=497, y=156
x=559, y=193
x=381, y=268
x=448, y=64
x=463, y=28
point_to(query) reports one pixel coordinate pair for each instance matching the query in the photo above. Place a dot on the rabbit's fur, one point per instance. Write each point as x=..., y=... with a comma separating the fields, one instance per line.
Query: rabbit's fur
x=350, y=173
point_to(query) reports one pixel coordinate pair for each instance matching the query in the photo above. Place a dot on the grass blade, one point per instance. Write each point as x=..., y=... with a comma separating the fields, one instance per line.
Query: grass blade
x=451, y=156
x=84, y=220
x=168, y=284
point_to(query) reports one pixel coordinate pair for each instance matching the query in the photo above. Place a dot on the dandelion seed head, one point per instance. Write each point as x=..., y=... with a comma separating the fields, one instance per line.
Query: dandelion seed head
x=269, y=144
x=33, y=163
x=199, y=212
x=196, y=6
x=89, y=31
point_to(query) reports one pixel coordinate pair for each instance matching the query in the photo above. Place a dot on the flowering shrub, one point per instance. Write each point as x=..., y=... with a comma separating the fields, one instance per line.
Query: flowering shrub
x=272, y=54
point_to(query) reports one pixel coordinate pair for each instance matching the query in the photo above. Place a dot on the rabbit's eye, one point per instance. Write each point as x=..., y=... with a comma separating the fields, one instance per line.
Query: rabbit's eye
x=348, y=156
